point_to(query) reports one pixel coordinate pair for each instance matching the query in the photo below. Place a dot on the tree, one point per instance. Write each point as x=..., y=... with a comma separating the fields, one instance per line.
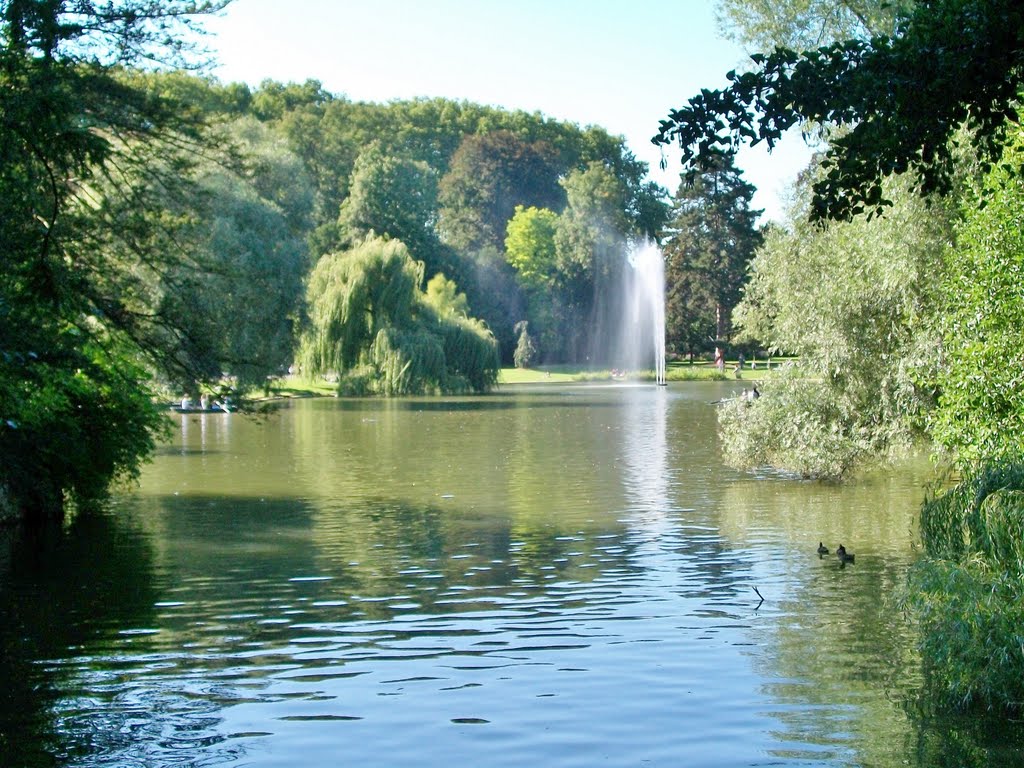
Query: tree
x=443, y=296
x=370, y=322
x=807, y=24
x=710, y=240
x=79, y=138
x=526, y=350
x=489, y=176
x=238, y=314
x=901, y=99
x=980, y=414
x=530, y=246
x=396, y=198
x=856, y=301
x=590, y=248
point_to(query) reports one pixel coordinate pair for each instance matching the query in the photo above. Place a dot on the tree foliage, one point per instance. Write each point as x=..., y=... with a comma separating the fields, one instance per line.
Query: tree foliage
x=856, y=301
x=981, y=407
x=709, y=241
x=86, y=156
x=489, y=176
x=394, y=197
x=966, y=593
x=803, y=25
x=901, y=98
x=530, y=246
x=370, y=323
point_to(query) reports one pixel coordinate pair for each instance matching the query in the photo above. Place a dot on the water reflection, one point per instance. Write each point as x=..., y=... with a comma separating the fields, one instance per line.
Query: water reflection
x=63, y=592
x=568, y=580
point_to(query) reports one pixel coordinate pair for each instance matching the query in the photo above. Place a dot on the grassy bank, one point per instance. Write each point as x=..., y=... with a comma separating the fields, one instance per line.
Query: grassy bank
x=297, y=386
x=701, y=371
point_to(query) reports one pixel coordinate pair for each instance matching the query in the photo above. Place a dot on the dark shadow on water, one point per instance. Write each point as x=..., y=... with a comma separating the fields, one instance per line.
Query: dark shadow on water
x=60, y=590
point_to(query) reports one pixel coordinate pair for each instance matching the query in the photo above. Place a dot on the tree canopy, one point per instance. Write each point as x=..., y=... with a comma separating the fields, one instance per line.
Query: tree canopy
x=709, y=241
x=900, y=99
x=89, y=158
x=372, y=325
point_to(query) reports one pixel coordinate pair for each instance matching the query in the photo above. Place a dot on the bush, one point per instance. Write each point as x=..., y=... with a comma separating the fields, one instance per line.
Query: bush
x=968, y=593
x=798, y=425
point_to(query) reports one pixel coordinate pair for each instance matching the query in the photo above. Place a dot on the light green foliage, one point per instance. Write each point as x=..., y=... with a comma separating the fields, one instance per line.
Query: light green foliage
x=354, y=295
x=855, y=301
x=443, y=296
x=371, y=324
x=798, y=425
x=526, y=349
x=981, y=407
x=530, y=246
x=805, y=24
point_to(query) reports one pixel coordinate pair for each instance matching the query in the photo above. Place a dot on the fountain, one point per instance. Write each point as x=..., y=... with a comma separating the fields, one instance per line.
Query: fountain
x=643, y=324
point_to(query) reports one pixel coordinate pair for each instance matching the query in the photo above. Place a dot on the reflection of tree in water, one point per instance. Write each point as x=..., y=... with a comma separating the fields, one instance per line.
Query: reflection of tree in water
x=63, y=593
x=841, y=653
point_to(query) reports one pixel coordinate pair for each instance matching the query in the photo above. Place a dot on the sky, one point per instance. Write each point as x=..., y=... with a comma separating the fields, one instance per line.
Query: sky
x=618, y=64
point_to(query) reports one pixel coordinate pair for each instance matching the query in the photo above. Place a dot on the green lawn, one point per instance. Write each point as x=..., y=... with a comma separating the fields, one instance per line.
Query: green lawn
x=297, y=386
x=702, y=371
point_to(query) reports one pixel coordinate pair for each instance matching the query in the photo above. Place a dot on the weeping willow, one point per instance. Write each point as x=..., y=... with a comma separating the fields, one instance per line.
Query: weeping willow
x=370, y=324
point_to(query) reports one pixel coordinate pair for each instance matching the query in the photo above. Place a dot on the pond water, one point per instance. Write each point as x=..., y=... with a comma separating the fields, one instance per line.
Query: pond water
x=565, y=576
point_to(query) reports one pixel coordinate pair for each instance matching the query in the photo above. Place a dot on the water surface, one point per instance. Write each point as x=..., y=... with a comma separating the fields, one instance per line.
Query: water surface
x=565, y=576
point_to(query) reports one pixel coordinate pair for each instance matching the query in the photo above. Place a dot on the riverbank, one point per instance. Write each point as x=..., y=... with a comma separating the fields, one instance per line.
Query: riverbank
x=702, y=371
x=296, y=386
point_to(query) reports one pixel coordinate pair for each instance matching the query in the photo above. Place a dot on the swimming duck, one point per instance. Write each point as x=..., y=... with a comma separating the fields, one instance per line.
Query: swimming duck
x=842, y=554
x=822, y=549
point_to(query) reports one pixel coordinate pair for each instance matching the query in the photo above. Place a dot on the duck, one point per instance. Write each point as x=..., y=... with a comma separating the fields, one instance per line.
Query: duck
x=843, y=555
x=822, y=549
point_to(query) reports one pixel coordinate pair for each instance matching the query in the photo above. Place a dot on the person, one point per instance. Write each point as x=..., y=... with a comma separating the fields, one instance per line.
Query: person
x=741, y=360
x=204, y=401
x=186, y=402
x=719, y=359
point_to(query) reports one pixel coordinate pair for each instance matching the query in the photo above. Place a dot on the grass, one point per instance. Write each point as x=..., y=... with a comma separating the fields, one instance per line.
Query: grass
x=298, y=386
x=701, y=371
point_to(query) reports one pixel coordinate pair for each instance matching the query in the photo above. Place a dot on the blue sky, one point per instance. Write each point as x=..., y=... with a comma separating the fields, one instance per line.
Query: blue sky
x=620, y=64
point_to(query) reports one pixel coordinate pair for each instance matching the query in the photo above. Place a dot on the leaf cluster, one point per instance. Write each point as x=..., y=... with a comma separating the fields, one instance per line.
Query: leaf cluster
x=951, y=63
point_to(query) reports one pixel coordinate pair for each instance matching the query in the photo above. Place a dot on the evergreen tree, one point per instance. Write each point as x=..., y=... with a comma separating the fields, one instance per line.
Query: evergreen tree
x=710, y=239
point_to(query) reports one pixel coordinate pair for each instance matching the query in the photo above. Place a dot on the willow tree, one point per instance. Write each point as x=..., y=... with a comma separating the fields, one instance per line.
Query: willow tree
x=370, y=323
x=856, y=301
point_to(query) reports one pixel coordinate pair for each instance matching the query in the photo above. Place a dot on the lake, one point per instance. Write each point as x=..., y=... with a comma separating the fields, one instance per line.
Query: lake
x=562, y=575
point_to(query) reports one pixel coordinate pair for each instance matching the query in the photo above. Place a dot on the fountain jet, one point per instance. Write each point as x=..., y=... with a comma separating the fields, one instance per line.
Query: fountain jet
x=644, y=322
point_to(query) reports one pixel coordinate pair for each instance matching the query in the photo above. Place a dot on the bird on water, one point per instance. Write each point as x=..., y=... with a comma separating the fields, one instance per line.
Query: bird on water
x=843, y=555
x=822, y=549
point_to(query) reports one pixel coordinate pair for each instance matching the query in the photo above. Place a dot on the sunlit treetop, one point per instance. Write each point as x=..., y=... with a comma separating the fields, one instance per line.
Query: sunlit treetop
x=900, y=100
